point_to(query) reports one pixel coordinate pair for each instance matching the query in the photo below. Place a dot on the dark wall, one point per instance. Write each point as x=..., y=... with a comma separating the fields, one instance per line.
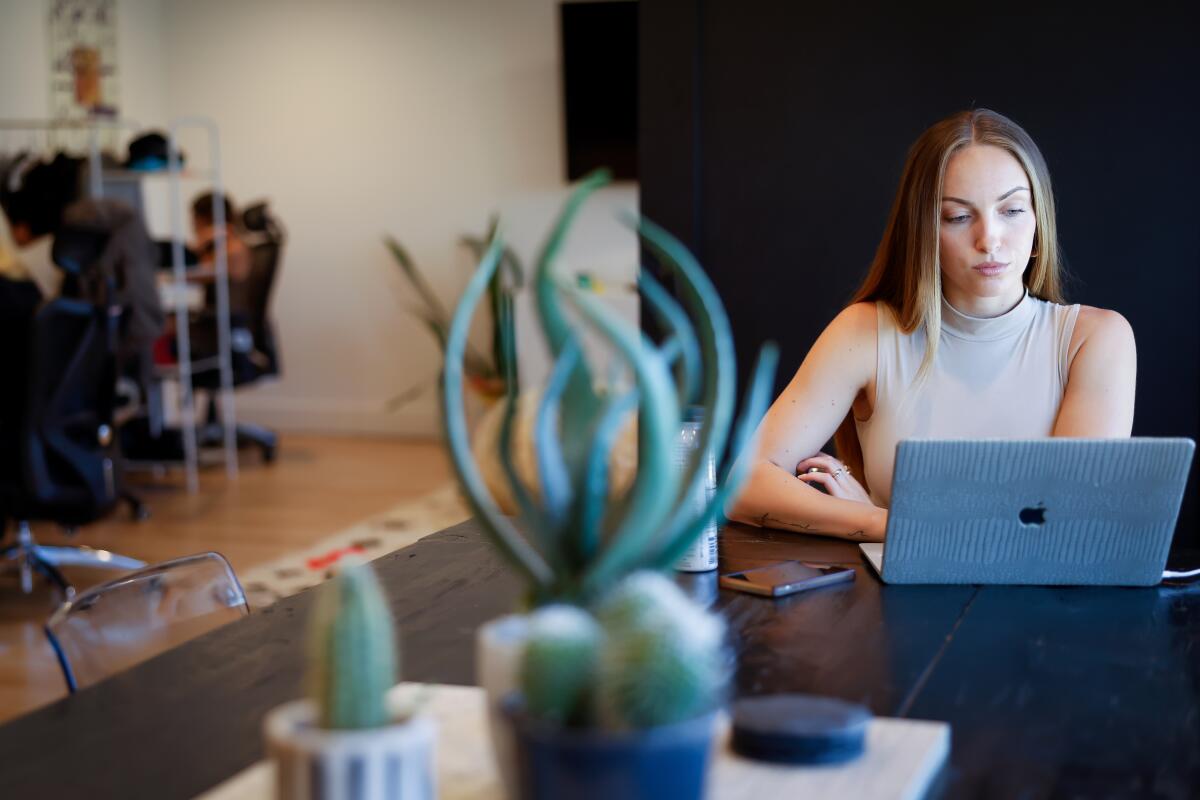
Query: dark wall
x=772, y=137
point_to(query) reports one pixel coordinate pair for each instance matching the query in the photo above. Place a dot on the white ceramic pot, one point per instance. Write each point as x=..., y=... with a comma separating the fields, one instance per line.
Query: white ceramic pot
x=499, y=646
x=395, y=762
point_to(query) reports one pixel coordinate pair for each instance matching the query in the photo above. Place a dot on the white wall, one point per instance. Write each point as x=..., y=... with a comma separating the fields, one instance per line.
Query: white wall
x=417, y=119
x=24, y=64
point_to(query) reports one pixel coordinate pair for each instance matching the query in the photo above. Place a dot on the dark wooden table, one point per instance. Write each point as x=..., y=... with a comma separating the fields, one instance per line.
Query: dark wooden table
x=1051, y=692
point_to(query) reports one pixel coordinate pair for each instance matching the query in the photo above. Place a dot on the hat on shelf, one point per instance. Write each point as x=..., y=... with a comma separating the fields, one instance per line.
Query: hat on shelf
x=150, y=151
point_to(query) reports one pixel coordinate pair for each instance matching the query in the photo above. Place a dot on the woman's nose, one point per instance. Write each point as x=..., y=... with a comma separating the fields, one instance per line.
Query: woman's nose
x=987, y=238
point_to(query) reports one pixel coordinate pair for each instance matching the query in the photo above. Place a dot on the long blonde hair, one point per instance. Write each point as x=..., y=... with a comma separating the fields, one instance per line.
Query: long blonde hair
x=906, y=272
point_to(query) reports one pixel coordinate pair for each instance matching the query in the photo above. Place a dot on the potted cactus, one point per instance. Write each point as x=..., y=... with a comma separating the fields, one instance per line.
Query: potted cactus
x=351, y=739
x=573, y=540
x=619, y=702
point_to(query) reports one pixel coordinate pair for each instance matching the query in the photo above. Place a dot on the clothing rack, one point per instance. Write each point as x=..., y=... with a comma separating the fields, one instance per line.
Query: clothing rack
x=182, y=372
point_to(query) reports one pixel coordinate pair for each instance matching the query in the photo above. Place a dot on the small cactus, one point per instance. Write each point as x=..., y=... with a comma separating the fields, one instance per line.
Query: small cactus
x=352, y=652
x=650, y=657
x=664, y=658
x=559, y=665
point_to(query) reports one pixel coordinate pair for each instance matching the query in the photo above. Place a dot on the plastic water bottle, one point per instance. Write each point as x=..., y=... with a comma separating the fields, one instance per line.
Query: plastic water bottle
x=701, y=556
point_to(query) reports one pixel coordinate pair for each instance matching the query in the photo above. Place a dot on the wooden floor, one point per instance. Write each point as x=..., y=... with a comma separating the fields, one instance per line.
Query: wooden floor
x=316, y=487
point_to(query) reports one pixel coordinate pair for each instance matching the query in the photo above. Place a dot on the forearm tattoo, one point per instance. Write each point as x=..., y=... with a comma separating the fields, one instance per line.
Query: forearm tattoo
x=768, y=521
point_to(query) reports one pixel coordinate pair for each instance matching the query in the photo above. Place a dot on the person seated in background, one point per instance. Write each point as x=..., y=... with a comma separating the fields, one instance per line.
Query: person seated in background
x=33, y=195
x=960, y=331
x=40, y=199
x=237, y=254
x=237, y=270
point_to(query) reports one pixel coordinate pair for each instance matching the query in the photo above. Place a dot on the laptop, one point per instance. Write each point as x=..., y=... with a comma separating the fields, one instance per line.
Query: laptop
x=1045, y=511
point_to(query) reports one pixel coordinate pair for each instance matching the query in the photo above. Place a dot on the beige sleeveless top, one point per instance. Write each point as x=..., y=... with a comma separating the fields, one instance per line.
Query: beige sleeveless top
x=995, y=378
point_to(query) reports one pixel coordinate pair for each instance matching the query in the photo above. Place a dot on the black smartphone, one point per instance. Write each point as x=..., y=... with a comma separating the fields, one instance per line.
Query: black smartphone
x=786, y=577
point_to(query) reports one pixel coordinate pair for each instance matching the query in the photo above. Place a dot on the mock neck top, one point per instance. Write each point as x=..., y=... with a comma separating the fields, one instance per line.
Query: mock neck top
x=997, y=377
x=985, y=329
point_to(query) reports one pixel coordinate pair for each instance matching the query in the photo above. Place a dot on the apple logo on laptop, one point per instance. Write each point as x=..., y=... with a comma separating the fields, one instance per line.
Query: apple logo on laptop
x=1033, y=516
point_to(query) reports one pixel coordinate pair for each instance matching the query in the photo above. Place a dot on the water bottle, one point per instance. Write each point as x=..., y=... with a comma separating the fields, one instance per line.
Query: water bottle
x=701, y=556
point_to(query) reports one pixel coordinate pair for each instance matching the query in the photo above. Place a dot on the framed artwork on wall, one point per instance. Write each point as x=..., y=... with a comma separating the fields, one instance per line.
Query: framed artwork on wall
x=83, y=59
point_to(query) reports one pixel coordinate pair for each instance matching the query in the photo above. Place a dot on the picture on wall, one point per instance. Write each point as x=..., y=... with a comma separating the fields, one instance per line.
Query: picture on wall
x=83, y=59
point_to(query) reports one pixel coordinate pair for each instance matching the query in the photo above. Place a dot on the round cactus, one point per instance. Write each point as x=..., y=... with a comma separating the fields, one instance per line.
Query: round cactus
x=664, y=658
x=352, y=651
x=559, y=664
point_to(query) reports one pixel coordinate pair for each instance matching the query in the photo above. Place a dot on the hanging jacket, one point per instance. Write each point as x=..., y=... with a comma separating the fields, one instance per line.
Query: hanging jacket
x=126, y=263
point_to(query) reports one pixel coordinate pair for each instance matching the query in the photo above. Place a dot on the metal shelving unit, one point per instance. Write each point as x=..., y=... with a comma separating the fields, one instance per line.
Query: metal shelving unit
x=184, y=367
x=182, y=372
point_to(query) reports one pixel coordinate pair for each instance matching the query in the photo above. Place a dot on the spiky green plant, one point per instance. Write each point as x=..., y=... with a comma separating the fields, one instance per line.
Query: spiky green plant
x=558, y=667
x=650, y=657
x=352, y=651
x=664, y=658
x=579, y=542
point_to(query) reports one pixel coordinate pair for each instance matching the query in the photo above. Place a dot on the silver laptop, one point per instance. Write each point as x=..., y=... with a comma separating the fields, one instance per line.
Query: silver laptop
x=1047, y=511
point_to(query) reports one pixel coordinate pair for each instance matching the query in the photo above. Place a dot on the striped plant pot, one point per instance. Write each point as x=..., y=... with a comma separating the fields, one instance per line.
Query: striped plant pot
x=391, y=763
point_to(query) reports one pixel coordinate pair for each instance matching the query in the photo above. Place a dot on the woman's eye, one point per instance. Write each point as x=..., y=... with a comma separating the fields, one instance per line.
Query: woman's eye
x=1012, y=212
x=958, y=218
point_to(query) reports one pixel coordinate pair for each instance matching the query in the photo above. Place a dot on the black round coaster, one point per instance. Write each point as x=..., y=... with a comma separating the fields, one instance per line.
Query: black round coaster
x=799, y=729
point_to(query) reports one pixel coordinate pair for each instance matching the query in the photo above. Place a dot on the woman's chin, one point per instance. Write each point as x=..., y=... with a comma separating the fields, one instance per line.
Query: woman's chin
x=1004, y=284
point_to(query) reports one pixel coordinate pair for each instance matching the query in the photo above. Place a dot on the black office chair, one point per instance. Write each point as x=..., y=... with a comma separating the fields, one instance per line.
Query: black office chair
x=64, y=467
x=255, y=354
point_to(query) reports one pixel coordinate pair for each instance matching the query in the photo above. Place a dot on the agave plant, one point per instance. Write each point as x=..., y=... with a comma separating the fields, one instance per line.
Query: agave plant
x=577, y=541
x=485, y=374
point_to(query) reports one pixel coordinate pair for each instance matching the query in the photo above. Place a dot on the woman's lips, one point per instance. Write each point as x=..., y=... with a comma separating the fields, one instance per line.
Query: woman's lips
x=989, y=268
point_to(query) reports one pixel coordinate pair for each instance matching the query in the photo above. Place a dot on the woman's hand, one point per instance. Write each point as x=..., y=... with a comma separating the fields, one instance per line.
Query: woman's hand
x=833, y=476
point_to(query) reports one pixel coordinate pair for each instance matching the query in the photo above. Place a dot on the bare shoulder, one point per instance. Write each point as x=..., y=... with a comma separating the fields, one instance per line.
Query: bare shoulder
x=1102, y=329
x=856, y=324
x=849, y=340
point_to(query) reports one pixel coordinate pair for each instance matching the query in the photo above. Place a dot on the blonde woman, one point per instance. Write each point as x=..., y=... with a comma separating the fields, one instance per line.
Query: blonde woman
x=959, y=331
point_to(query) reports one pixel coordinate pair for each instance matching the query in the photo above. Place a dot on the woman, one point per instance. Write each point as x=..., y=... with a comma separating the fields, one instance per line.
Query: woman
x=958, y=332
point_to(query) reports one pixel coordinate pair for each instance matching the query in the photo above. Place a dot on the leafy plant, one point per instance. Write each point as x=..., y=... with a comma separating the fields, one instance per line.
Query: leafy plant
x=488, y=374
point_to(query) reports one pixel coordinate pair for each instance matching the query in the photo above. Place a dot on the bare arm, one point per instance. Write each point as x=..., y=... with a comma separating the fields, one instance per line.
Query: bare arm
x=237, y=260
x=840, y=364
x=1098, y=402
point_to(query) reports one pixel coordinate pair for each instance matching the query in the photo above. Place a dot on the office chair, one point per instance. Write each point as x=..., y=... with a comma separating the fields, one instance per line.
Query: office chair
x=64, y=466
x=116, y=625
x=254, y=352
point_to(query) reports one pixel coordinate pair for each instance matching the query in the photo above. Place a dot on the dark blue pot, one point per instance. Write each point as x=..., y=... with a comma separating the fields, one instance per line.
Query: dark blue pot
x=665, y=763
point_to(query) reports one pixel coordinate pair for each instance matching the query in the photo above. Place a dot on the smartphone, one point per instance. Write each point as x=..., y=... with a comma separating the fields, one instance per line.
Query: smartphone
x=786, y=577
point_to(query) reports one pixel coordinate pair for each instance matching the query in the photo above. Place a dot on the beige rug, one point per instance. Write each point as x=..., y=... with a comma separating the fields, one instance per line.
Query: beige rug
x=369, y=539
